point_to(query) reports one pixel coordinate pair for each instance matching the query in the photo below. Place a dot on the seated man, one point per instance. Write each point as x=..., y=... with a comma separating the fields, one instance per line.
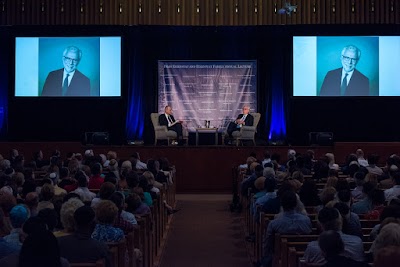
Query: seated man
x=243, y=119
x=332, y=247
x=330, y=219
x=167, y=119
x=291, y=222
x=79, y=246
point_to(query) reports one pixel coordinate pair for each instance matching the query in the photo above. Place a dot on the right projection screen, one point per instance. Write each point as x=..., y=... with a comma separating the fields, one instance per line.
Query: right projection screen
x=346, y=66
x=214, y=91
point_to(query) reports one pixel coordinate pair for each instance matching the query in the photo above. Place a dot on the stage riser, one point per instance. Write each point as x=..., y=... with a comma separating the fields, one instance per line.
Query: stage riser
x=203, y=169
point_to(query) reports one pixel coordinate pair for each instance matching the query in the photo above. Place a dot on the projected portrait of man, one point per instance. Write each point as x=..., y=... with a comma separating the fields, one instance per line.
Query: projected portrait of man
x=68, y=81
x=347, y=80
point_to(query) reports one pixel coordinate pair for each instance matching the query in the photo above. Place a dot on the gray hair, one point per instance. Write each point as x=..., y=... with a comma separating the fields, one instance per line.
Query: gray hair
x=73, y=49
x=388, y=236
x=352, y=48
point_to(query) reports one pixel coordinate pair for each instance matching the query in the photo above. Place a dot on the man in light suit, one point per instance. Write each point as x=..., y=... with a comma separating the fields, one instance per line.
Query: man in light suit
x=168, y=120
x=243, y=119
x=346, y=81
x=67, y=81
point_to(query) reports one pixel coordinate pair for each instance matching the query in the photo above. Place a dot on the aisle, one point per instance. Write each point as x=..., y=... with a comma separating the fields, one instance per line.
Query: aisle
x=204, y=233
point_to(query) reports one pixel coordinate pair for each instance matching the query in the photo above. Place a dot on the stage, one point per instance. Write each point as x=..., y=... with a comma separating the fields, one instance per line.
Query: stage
x=202, y=169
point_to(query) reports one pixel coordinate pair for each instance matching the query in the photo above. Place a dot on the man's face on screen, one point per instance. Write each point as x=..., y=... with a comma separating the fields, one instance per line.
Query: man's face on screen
x=70, y=61
x=349, y=60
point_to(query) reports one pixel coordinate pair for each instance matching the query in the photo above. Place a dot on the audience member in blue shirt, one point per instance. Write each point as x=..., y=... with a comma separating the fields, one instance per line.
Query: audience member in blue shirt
x=290, y=222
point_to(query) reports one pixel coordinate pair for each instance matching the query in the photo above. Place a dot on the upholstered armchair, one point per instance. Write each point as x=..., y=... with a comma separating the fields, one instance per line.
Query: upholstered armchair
x=161, y=132
x=247, y=132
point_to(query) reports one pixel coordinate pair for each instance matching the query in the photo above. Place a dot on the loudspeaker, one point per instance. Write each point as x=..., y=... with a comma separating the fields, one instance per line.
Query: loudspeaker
x=97, y=138
x=321, y=138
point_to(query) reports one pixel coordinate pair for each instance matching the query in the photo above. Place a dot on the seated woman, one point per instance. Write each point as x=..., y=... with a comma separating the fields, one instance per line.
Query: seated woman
x=106, y=214
x=135, y=205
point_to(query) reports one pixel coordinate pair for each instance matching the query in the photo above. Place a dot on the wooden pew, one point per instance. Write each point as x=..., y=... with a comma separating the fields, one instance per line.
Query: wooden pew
x=130, y=245
x=98, y=263
x=118, y=251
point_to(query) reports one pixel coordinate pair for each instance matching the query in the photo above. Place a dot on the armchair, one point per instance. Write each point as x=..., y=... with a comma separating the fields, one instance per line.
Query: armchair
x=247, y=132
x=161, y=132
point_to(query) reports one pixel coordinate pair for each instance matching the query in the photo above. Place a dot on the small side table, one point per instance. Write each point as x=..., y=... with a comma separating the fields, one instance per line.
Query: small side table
x=206, y=130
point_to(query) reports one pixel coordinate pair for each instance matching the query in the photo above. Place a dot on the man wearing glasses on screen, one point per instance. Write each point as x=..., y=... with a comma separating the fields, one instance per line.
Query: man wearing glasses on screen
x=346, y=81
x=67, y=81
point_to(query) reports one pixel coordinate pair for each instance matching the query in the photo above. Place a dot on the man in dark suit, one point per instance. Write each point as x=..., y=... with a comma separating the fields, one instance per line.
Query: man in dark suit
x=67, y=81
x=167, y=119
x=243, y=119
x=346, y=81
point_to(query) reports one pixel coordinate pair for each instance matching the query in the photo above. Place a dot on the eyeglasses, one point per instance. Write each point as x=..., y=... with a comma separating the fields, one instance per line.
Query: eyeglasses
x=71, y=60
x=353, y=60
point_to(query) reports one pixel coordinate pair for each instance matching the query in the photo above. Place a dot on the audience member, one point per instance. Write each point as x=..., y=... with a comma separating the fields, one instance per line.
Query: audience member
x=387, y=257
x=309, y=193
x=135, y=205
x=332, y=247
x=18, y=216
x=106, y=214
x=389, y=235
x=82, y=190
x=125, y=220
x=290, y=222
x=32, y=252
x=372, y=168
x=330, y=219
x=80, y=246
x=357, y=193
x=365, y=205
x=351, y=222
x=393, y=192
x=67, y=216
x=96, y=180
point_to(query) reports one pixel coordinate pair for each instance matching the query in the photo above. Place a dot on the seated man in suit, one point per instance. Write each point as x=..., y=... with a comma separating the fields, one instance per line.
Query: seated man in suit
x=67, y=81
x=168, y=120
x=243, y=119
x=346, y=81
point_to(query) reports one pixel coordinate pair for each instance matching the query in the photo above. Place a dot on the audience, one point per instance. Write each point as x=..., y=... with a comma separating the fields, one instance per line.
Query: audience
x=82, y=230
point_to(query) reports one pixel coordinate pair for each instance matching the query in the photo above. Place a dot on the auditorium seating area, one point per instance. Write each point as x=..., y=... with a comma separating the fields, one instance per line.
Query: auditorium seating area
x=128, y=208
x=270, y=243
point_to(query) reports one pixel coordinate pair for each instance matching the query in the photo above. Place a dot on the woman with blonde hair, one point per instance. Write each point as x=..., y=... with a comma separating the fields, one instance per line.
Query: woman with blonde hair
x=67, y=216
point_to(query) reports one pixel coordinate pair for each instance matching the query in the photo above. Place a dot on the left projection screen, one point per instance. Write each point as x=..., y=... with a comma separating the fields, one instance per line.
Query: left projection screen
x=68, y=66
x=214, y=91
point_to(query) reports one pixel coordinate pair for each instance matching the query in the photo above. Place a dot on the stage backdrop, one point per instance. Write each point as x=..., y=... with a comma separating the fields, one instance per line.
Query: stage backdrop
x=207, y=90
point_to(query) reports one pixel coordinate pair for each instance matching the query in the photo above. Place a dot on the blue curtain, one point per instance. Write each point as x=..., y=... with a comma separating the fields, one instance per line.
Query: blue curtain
x=3, y=85
x=135, y=117
x=278, y=96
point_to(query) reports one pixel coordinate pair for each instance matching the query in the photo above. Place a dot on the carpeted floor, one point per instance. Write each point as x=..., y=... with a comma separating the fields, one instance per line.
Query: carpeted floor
x=204, y=233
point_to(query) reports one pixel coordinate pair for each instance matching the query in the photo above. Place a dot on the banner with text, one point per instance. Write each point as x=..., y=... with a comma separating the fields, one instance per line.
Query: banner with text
x=200, y=91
